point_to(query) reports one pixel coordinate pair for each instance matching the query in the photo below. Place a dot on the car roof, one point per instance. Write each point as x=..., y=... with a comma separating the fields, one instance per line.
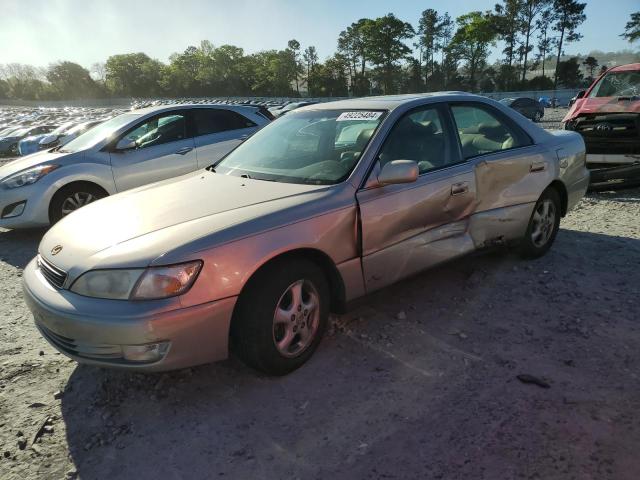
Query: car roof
x=175, y=106
x=625, y=68
x=386, y=102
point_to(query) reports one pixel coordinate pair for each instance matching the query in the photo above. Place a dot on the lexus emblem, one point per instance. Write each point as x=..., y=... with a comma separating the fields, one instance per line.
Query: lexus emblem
x=604, y=127
x=56, y=250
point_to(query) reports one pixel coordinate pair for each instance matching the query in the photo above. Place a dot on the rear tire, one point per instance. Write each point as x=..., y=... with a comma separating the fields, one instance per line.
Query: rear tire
x=71, y=198
x=543, y=225
x=281, y=316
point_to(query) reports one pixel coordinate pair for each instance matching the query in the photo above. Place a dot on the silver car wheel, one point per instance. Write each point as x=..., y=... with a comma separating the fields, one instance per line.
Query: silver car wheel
x=544, y=221
x=76, y=201
x=296, y=319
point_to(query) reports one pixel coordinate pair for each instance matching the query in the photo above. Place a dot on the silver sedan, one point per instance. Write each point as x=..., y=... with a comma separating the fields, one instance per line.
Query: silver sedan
x=326, y=204
x=128, y=151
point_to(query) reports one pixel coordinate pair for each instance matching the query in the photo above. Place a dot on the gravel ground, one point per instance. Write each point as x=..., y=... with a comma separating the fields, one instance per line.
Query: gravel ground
x=417, y=381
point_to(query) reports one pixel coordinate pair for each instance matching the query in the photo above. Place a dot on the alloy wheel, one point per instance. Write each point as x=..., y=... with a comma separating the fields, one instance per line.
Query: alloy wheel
x=296, y=318
x=76, y=201
x=544, y=220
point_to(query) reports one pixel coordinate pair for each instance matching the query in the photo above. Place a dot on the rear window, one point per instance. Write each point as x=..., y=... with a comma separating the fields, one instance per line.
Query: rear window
x=209, y=120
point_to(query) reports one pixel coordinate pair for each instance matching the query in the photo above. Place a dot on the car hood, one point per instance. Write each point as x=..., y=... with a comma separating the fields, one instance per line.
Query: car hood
x=584, y=106
x=134, y=228
x=28, y=161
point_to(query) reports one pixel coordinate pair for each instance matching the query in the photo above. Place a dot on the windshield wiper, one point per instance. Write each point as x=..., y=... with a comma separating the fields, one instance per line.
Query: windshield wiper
x=245, y=175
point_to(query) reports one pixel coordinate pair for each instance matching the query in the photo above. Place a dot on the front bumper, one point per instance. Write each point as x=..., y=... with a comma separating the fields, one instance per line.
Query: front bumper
x=36, y=210
x=93, y=331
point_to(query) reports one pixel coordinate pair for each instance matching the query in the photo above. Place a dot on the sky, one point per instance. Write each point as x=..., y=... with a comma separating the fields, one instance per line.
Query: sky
x=83, y=31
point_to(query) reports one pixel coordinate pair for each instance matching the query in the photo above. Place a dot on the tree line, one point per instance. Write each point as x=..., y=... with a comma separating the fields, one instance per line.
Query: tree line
x=383, y=55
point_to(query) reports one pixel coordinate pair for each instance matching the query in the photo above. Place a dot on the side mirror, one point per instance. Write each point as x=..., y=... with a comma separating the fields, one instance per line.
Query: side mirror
x=398, y=171
x=126, y=144
x=581, y=93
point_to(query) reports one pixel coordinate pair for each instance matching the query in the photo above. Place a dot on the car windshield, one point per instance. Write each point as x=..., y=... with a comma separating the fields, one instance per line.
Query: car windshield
x=617, y=84
x=98, y=133
x=317, y=147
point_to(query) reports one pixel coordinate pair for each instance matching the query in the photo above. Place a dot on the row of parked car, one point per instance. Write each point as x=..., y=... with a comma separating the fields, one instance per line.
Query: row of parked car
x=28, y=130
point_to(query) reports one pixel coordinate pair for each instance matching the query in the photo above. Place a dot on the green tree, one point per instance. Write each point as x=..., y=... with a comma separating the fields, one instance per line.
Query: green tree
x=133, y=74
x=568, y=73
x=25, y=82
x=570, y=15
x=530, y=12
x=294, y=47
x=428, y=35
x=387, y=47
x=434, y=34
x=471, y=42
x=632, y=28
x=545, y=42
x=330, y=79
x=69, y=80
x=354, y=43
x=507, y=22
x=310, y=57
x=591, y=63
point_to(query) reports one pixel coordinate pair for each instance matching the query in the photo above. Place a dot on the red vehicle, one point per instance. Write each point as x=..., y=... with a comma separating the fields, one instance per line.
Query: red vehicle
x=607, y=115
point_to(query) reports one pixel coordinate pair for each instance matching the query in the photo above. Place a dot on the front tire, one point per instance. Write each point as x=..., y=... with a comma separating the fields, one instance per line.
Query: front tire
x=543, y=225
x=72, y=197
x=281, y=316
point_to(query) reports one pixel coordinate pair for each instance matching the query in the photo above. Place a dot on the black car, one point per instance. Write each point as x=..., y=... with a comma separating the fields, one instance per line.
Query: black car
x=528, y=107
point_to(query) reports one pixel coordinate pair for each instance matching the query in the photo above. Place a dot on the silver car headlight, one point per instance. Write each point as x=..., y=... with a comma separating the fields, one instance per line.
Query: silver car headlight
x=28, y=176
x=138, y=284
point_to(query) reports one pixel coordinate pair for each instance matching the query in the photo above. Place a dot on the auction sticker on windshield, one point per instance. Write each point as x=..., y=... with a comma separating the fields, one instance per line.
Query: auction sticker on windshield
x=360, y=115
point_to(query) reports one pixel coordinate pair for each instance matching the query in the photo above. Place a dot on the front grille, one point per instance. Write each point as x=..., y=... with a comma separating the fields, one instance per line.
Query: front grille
x=72, y=346
x=609, y=134
x=54, y=275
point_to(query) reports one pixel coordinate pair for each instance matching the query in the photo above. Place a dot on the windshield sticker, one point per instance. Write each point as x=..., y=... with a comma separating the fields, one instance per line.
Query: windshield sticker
x=361, y=115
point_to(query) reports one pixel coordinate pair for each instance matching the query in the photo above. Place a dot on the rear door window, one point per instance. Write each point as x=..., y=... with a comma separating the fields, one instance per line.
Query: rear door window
x=482, y=130
x=214, y=120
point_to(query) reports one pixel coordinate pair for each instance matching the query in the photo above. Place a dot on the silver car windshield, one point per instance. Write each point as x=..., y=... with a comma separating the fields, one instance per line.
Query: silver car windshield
x=98, y=133
x=318, y=147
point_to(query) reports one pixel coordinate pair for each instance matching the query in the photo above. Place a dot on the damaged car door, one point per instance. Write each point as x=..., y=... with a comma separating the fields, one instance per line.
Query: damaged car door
x=407, y=227
x=510, y=171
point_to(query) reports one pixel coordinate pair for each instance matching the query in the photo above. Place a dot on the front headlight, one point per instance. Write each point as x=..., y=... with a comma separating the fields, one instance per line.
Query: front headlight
x=112, y=284
x=138, y=284
x=28, y=176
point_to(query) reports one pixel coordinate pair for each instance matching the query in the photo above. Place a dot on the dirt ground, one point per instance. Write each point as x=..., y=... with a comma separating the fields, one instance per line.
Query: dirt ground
x=417, y=381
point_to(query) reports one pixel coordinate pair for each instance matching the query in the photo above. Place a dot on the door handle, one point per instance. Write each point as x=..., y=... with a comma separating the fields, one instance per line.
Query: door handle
x=184, y=151
x=459, y=188
x=538, y=167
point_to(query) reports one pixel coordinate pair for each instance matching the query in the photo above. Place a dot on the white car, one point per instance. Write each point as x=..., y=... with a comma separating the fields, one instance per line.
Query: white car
x=128, y=151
